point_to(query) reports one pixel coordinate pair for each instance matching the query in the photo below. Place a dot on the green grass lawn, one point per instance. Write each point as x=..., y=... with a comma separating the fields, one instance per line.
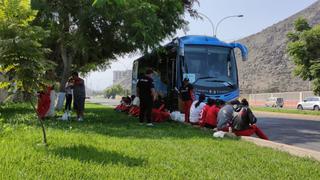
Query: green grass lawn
x=290, y=111
x=109, y=145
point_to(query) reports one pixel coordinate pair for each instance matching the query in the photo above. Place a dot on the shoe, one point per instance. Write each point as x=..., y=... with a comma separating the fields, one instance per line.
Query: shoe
x=150, y=124
x=141, y=123
x=80, y=119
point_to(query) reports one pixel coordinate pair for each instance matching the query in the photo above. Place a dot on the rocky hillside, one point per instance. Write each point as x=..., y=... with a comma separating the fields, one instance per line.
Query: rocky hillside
x=269, y=68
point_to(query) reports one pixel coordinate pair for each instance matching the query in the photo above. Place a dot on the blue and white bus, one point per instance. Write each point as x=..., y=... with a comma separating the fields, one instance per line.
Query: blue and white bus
x=210, y=65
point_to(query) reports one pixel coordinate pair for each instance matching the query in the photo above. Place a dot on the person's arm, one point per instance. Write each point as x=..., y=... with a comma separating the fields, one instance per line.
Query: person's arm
x=153, y=93
x=192, y=93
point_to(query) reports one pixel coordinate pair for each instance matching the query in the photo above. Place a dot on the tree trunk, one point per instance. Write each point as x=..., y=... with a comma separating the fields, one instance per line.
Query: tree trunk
x=42, y=125
x=67, y=62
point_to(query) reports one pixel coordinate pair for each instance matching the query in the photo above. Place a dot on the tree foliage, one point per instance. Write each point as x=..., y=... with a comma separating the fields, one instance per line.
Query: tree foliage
x=114, y=90
x=88, y=35
x=304, y=49
x=22, y=55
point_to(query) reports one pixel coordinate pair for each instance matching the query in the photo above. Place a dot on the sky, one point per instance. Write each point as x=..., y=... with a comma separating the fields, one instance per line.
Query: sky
x=257, y=15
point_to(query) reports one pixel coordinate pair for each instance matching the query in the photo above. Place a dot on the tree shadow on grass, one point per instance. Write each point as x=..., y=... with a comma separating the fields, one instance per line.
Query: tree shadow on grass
x=106, y=121
x=87, y=154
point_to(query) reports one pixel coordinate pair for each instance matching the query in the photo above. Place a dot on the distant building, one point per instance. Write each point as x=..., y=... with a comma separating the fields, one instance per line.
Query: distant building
x=119, y=76
x=123, y=78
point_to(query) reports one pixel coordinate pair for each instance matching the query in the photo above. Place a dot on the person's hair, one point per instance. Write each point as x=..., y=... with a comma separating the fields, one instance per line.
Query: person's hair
x=210, y=102
x=235, y=102
x=202, y=97
x=149, y=71
x=244, y=102
x=75, y=73
x=132, y=97
x=221, y=102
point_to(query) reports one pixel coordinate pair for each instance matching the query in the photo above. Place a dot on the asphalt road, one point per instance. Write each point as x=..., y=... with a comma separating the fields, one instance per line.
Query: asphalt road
x=297, y=130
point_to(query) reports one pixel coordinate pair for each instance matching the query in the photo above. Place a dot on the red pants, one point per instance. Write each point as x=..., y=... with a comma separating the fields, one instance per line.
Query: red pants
x=253, y=129
x=159, y=116
x=186, y=108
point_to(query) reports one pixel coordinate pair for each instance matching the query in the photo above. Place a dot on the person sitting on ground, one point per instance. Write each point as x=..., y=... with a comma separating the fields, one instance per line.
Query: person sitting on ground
x=212, y=113
x=225, y=116
x=134, y=110
x=159, y=112
x=204, y=111
x=244, y=122
x=127, y=104
x=196, y=108
x=122, y=105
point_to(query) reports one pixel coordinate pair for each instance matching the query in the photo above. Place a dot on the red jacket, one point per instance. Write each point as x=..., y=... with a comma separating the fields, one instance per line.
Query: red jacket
x=203, y=115
x=211, y=117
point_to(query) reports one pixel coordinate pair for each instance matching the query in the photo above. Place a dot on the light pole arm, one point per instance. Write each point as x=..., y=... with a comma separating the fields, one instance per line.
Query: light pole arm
x=212, y=26
x=216, y=30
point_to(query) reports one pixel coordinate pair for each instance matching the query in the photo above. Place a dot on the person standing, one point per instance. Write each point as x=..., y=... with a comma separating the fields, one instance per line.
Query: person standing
x=186, y=95
x=69, y=90
x=79, y=95
x=146, y=93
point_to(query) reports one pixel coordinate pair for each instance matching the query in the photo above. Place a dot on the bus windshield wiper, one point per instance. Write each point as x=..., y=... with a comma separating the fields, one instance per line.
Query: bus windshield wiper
x=206, y=77
x=226, y=83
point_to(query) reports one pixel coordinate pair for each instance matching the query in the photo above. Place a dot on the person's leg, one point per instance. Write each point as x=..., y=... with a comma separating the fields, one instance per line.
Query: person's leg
x=142, y=111
x=246, y=132
x=149, y=111
x=259, y=132
x=68, y=102
x=187, y=105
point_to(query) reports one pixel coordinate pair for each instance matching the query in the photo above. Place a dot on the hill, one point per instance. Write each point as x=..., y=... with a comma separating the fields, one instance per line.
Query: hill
x=268, y=68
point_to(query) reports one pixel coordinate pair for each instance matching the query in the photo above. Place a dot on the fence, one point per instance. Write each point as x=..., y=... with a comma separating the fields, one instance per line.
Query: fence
x=290, y=98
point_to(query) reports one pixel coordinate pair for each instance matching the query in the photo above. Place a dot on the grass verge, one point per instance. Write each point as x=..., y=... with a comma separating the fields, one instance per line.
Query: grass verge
x=288, y=111
x=109, y=145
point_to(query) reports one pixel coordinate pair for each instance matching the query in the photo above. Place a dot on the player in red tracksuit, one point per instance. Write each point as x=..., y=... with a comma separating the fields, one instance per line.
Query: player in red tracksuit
x=159, y=114
x=244, y=123
x=211, y=117
x=134, y=110
x=187, y=97
x=44, y=102
x=204, y=112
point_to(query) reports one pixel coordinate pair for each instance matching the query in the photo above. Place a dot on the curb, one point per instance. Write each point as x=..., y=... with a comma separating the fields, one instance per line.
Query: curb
x=296, y=151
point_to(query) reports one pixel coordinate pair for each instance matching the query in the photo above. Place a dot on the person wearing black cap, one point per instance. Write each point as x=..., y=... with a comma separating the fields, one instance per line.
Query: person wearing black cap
x=146, y=92
x=186, y=95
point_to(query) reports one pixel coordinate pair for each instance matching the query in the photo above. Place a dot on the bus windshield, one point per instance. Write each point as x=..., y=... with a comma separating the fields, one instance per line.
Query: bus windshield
x=210, y=66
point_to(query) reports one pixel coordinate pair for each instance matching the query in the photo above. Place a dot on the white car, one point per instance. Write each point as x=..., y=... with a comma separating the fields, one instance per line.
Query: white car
x=312, y=103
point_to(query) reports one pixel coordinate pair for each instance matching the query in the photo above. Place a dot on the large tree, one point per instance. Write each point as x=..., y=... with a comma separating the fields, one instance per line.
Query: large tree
x=304, y=49
x=87, y=35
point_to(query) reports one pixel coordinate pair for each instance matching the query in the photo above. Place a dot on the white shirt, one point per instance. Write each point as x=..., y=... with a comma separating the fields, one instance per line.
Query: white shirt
x=136, y=101
x=195, y=111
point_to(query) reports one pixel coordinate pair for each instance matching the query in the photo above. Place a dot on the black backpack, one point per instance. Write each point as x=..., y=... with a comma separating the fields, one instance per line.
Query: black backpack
x=243, y=118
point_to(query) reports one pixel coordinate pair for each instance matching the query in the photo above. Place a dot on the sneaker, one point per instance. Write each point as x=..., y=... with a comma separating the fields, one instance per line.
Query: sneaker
x=150, y=124
x=80, y=119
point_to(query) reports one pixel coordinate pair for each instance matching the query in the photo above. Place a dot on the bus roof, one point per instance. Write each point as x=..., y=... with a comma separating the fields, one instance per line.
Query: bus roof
x=202, y=40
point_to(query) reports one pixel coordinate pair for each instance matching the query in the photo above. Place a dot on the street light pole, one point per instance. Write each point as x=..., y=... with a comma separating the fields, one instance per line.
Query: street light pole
x=216, y=30
x=212, y=26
